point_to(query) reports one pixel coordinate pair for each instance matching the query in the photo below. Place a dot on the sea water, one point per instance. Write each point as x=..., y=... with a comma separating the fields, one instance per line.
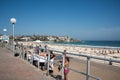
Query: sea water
x=94, y=43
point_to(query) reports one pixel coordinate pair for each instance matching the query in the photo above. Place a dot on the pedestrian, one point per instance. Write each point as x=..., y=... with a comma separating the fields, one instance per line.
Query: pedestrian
x=51, y=65
x=66, y=69
x=42, y=59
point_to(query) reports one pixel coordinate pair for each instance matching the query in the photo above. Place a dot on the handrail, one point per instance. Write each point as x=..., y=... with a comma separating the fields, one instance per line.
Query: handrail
x=83, y=55
x=94, y=57
x=85, y=74
x=88, y=62
x=88, y=65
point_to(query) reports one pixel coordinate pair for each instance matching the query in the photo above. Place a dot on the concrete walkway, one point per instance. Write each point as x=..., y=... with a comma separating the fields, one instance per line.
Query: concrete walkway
x=14, y=68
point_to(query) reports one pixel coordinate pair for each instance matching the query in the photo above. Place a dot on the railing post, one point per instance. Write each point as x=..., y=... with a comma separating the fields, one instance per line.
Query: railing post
x=63, y=56
x=88, y=68
x=22, y=50
x=32, y=56
x=6, y=45
x=48, y=62
x=27, y=55
x=110, y=62
x=39, y=63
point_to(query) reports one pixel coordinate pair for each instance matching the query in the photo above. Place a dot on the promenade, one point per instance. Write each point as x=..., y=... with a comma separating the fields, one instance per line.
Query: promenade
x=15, y=68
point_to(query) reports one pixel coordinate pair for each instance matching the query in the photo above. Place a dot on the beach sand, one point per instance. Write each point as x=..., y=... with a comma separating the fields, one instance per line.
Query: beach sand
x=108, y=53
x=97, y=68
x=102, y=71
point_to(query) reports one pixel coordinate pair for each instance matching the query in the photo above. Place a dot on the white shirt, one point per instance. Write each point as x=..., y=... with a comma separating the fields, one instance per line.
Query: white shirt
x=29, y=56
x=42, y=59
x=36, y=58
x=51, y=62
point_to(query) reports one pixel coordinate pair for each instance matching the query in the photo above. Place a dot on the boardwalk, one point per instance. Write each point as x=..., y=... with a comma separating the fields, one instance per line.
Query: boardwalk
x=14, y=68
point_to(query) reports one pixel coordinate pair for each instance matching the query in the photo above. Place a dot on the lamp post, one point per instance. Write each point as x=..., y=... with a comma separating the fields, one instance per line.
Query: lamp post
x=13, y=21
x=4, y=30
x=4, y=34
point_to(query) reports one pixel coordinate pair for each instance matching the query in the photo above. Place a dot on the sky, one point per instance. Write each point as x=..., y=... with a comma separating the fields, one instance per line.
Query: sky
x=80, y=19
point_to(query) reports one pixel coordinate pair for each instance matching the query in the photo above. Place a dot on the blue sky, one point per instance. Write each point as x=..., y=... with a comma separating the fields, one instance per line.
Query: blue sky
x=81, y=19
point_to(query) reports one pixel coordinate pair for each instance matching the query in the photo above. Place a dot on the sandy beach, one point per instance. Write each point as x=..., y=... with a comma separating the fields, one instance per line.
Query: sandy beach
x=109, y=53
x=103, y=71
x=98, y=68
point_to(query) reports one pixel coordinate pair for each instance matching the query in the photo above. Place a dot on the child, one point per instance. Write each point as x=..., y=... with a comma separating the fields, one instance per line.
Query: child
x=66, y=69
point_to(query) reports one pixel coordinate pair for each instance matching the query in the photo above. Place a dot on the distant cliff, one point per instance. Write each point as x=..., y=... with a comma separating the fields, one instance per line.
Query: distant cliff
x=48, y=38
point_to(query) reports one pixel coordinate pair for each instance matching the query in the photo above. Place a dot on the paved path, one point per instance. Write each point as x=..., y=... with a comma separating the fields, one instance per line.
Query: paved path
x=14, y=68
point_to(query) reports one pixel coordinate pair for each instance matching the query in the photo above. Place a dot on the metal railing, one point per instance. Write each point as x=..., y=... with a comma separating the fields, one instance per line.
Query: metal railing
x=87, y=63
x=87, y=73
x=83, y=73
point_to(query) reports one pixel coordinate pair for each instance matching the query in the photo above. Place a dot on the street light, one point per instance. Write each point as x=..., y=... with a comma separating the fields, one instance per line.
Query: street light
x=13, y=21
x=4, y=30
x=4, y=35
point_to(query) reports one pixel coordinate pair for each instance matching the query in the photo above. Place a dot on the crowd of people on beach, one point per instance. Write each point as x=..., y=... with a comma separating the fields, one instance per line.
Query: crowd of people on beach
x=92, y=51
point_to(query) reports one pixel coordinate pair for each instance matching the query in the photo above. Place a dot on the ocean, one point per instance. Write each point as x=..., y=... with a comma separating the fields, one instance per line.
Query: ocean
x=94, y=43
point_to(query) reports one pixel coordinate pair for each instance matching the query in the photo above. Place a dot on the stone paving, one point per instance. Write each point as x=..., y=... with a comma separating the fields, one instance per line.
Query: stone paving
x=15, y=68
